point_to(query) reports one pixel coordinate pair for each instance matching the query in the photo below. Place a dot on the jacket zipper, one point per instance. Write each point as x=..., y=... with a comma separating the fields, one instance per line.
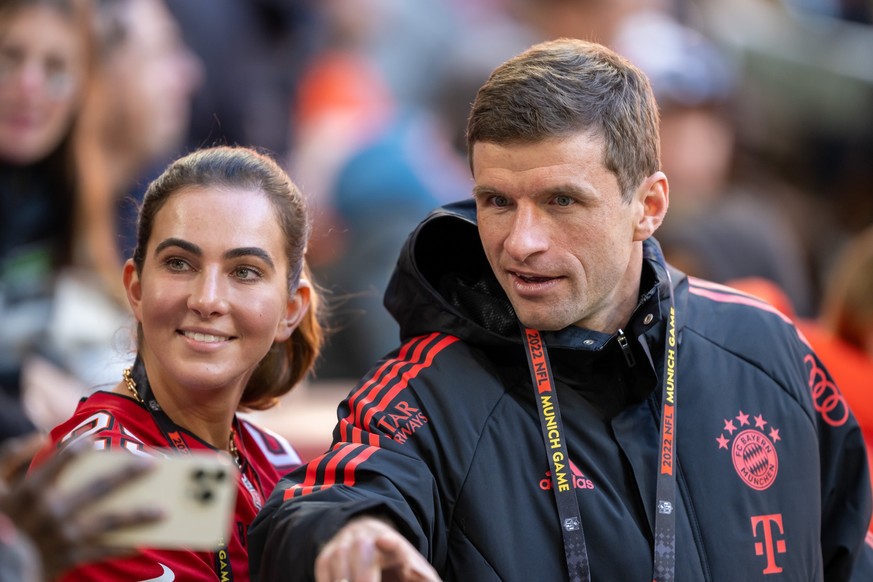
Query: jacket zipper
x=626, y=349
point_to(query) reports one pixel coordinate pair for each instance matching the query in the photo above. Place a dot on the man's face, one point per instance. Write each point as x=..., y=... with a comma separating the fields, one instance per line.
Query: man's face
x=564, y=246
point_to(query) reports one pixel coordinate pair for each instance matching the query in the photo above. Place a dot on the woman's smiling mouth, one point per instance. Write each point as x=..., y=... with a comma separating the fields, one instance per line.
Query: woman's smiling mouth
x=205, y=337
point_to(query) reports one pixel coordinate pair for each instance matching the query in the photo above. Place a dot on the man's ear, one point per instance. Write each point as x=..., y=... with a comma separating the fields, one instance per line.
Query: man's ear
x=653, y=197
x=133, y=287
x=298, y=305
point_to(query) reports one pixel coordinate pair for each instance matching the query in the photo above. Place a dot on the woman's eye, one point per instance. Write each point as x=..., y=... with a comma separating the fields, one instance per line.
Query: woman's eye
x=176, y=265
x=247, y=273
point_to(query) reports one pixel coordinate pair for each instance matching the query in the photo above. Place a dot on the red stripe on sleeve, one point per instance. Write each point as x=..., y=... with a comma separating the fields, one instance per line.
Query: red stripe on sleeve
x=408, y=375
x=385, y=372
x=339, y=453
x=359, y=454
x=351, y=466
x=309, y=481
x=395, y=370
x=422, y=357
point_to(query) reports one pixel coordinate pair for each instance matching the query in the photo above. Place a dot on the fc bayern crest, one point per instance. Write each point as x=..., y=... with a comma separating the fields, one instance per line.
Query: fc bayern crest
x=752, y=449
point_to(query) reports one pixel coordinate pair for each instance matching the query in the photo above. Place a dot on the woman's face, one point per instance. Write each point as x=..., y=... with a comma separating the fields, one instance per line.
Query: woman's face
x=213, y=294
x=42, y=67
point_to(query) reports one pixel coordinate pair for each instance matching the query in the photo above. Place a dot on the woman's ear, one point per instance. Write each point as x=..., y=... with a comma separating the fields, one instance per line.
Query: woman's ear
x=133, y=287
x=298, y=305
x=654, y=198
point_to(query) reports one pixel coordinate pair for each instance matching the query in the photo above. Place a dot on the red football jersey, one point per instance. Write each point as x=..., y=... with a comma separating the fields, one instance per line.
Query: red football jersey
x=116, y=421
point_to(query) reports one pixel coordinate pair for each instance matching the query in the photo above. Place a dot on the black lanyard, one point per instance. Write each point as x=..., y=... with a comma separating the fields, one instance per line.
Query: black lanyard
x=575, y=551
x=665, y=515
x=556, y=449
x=173, y=435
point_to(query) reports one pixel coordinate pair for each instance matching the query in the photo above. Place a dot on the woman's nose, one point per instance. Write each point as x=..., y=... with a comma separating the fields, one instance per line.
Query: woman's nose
x=208, y=295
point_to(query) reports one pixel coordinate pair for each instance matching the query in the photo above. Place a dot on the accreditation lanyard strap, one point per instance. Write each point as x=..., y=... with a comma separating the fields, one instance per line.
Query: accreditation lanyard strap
x=575, y=551
x=174, y=437
x=665, y=516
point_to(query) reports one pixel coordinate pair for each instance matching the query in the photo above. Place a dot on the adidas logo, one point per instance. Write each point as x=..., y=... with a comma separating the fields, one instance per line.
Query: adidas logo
x=579, y=480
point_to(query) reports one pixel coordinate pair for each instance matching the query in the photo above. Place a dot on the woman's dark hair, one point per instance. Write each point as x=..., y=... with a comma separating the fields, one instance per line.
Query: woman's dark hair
x=287, y=363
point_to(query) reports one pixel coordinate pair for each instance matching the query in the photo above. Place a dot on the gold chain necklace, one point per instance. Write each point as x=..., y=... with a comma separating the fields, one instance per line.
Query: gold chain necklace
x=231, y=447
x=231, y=441
x=131, y=384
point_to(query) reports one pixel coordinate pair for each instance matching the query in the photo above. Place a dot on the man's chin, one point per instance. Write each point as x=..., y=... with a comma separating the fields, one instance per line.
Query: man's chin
x=541, y=322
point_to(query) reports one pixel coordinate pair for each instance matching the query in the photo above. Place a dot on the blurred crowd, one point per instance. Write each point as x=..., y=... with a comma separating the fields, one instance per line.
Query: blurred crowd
x=767, y=137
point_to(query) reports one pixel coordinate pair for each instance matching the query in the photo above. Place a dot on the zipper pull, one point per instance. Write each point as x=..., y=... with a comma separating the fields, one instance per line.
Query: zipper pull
x=626, y=349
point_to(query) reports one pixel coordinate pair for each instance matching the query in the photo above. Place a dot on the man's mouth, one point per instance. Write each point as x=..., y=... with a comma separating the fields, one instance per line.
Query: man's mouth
x=532, y=278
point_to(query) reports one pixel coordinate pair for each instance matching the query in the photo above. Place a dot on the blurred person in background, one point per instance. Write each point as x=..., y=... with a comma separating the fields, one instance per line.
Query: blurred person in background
x=143, y=108
x=728, y=214
x=376, y=157
x=847, y=308
x=843, y=332
x=253, y=53
x=804, y=114
x=45, y=67
x=132, y=120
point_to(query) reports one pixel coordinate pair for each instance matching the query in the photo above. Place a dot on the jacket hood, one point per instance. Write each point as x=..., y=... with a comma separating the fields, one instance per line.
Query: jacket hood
x=444, y=283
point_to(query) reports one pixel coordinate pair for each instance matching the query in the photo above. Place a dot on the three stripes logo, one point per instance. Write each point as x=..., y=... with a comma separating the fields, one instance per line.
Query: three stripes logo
x=377, y=409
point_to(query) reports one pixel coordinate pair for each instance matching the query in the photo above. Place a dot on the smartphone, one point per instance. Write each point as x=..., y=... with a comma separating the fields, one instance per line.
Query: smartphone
x=196, y=492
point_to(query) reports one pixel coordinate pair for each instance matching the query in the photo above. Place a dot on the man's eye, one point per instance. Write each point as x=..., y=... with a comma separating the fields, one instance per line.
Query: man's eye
x=499, y=201
x=563, y=200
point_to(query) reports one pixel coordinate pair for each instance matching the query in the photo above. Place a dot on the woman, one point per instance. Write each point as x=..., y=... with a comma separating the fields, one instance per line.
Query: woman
x=45, y=63
x=226, y=322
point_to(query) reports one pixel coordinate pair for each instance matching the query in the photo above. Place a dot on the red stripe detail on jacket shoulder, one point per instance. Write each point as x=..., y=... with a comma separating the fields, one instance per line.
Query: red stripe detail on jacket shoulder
x=353, y=455
x=391, y=377
x=353, y=434
x=724, y=294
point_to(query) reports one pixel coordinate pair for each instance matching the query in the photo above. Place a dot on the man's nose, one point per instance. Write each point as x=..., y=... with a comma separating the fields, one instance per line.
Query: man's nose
x=528, y=234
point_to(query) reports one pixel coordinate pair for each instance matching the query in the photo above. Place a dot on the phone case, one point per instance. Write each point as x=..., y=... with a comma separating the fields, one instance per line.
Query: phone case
x=196, y=493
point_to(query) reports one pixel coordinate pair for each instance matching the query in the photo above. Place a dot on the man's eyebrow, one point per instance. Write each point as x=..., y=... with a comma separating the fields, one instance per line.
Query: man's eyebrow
x=571, y=190
x=568, y=189
x=480, y=191
x=251, y=252
x=181, y=243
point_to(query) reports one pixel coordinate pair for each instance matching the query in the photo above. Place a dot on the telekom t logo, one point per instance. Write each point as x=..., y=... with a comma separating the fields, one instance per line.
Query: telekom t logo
x=767, y=523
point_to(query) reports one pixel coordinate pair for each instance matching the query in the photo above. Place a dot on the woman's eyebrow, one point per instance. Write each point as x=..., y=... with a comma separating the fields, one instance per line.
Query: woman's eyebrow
x=181, y=243
x=231, y=254
x=250, y=252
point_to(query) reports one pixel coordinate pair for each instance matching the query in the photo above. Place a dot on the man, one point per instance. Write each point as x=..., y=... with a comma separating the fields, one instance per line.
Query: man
x=655, y=427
